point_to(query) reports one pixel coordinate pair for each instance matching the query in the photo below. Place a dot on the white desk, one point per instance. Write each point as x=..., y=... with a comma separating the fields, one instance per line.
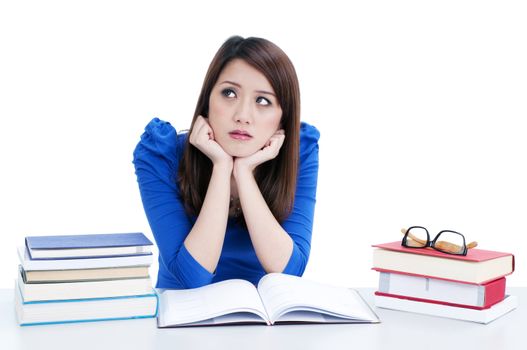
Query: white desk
x=398, y=330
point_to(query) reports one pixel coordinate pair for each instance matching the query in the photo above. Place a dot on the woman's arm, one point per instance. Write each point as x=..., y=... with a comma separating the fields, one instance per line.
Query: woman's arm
x=205, y=240
x=281, y=247
x=156, y=159
x=272, y=244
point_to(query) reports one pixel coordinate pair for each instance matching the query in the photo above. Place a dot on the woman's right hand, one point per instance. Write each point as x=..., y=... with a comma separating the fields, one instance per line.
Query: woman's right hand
x=202, y=137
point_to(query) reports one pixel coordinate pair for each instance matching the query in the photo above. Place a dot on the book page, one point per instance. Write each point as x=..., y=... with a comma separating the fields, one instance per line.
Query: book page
x=312, y=317
x=282, y=293
x=186, y=306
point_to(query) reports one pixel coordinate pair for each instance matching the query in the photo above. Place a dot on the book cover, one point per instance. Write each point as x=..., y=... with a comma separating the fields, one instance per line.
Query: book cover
x=479, y=266
x=279, y=298
x=473, y=255
x=85, y=263
x=460, y=313
x=90, y=245
x=83, y=290
x=476, y=296
x=84, y=275
x=84, y=310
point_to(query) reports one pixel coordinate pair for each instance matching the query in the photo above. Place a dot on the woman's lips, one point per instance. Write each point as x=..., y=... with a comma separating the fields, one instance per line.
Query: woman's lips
x=240, y=135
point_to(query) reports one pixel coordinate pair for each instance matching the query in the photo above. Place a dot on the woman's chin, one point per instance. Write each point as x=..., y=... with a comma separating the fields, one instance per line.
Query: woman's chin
x=241, y=153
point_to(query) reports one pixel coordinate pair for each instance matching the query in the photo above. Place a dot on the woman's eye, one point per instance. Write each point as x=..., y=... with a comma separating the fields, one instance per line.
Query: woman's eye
x=263, y=101
x=228, y=93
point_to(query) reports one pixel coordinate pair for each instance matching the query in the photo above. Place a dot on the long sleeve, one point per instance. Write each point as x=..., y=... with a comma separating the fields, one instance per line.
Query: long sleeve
x=156, y=160
x=299, y=224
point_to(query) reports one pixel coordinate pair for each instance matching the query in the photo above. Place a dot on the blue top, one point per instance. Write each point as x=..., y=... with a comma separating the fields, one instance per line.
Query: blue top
x=156, y=160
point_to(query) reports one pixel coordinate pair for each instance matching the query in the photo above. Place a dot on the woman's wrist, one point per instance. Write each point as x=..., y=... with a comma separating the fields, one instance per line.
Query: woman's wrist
x=224, y=165
x=239, y=170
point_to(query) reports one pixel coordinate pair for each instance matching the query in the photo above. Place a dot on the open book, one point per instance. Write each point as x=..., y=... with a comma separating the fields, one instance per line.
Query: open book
x=279, y=298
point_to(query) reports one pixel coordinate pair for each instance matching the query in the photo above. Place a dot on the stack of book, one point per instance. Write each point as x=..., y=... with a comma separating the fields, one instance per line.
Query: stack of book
x=82, y=278
x=427, y=281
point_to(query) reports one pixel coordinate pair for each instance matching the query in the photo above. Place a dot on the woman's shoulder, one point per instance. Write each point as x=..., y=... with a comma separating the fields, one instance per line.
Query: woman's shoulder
x=309, y=136
x=160, y=139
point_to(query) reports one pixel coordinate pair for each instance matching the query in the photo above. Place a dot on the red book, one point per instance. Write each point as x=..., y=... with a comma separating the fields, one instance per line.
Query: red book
x=439, y=291
x=478, y=266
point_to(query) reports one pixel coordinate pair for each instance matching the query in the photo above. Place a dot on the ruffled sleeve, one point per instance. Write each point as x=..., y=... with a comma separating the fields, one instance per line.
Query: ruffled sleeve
x=299, y=224
x=156, y=160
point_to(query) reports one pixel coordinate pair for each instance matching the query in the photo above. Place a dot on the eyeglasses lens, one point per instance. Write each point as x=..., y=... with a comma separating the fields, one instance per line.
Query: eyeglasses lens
x=416, y=237
x=450, y=242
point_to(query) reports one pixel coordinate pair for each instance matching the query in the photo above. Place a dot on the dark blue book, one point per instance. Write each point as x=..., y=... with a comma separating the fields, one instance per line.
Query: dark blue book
x=88, y=246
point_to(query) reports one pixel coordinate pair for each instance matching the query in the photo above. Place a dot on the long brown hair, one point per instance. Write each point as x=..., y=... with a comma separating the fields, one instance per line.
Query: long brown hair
x=276, y=178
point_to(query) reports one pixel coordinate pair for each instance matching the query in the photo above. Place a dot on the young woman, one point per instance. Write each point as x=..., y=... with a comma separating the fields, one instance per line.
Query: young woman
x=235, y=196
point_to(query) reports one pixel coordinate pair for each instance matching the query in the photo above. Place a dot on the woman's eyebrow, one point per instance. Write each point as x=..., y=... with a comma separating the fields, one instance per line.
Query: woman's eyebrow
x=238, y=85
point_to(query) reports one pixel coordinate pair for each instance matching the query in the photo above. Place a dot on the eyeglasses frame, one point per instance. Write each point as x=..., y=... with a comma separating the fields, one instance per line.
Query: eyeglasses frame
x=432, y=244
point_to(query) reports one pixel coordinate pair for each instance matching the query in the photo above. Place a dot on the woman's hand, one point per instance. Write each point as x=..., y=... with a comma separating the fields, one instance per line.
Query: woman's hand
x=202, y=137
x=268, y=152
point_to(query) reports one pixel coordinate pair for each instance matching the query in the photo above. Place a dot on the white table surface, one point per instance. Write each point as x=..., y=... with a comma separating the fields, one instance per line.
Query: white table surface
x=398, y=330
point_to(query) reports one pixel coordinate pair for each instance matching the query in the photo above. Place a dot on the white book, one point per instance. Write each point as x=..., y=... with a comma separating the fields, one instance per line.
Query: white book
x=84, y=290
x=84, y=310
x=279, y=298
x=478, y=266
x=460, y=313
x=84, y=275
x=81, y=263
x=433, y=289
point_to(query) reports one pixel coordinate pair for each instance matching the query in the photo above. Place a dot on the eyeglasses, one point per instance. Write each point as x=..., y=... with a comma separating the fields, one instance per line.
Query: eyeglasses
x=446, y=241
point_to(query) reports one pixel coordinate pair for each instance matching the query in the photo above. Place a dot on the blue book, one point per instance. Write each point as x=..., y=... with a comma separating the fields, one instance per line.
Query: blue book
x=84, y=310
x=91, y=245
x=29, y=264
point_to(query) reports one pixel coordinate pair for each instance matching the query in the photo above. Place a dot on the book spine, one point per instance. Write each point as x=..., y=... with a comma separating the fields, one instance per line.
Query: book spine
x=494, y=292
x=430, y=301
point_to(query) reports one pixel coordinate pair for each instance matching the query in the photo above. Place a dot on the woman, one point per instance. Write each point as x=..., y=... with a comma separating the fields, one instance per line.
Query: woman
x=235, y=196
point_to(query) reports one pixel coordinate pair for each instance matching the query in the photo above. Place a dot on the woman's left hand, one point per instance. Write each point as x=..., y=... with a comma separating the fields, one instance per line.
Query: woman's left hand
x=268, y=152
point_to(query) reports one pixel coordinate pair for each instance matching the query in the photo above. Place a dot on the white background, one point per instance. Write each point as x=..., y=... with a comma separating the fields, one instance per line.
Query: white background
x=421, y=107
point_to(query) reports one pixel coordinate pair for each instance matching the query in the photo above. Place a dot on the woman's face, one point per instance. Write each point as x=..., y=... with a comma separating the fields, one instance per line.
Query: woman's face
x=243, y=109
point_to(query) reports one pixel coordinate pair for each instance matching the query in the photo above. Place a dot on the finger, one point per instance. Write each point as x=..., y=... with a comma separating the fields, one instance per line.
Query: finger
x=195, y=136
x=210, y=133
x=275, y=143
x=199, y=122
x=206, y=129
x=201, y=132
x=196, y=127
x=277, y=140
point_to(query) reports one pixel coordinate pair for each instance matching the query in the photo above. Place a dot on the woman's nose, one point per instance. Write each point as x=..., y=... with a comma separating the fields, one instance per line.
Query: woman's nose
x=244, y=113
